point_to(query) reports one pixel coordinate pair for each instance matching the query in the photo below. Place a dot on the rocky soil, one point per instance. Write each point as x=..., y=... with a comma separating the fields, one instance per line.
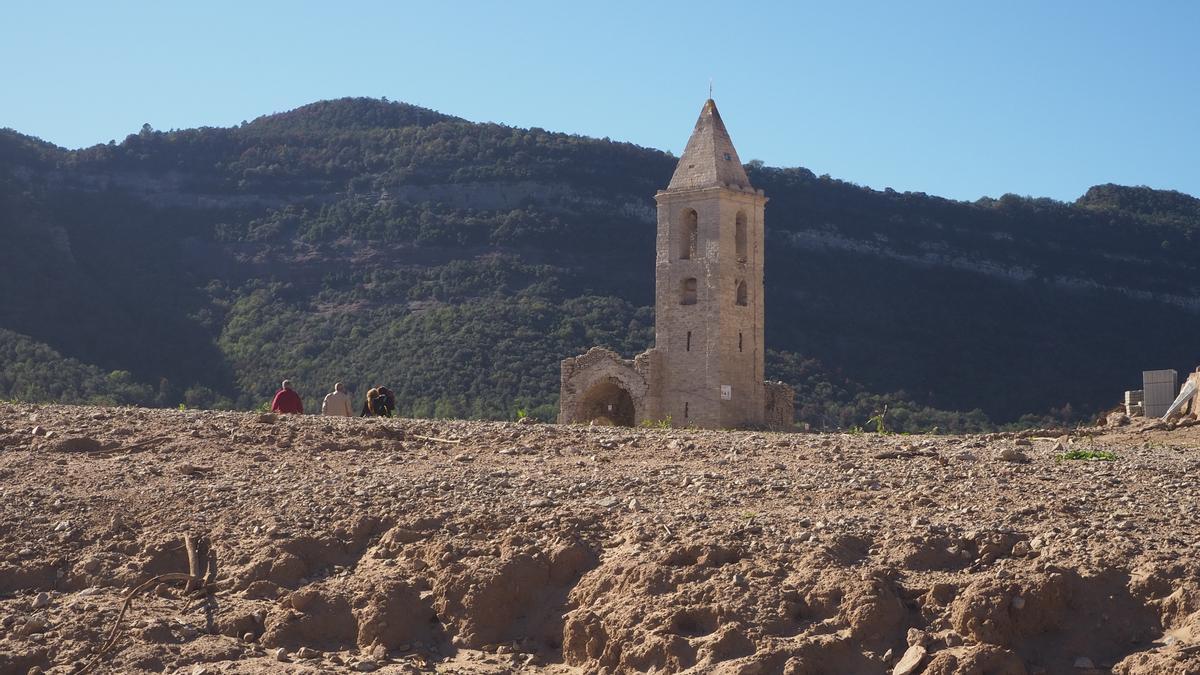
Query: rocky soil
x=404, y=546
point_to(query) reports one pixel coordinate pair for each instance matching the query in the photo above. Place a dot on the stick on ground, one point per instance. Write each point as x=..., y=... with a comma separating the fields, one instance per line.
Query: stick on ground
x=435, y=439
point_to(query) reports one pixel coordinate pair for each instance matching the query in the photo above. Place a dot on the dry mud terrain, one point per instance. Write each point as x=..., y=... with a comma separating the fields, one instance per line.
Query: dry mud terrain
x=403, y=546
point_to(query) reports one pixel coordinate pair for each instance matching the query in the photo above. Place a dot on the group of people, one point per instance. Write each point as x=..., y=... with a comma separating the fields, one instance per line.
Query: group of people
x=380, y=402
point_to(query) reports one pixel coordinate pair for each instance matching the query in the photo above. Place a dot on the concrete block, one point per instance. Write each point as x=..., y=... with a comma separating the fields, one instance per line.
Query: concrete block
x=1159, y=388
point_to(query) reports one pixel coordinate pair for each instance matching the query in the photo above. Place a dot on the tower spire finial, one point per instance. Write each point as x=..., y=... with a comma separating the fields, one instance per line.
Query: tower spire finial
x=710, y=88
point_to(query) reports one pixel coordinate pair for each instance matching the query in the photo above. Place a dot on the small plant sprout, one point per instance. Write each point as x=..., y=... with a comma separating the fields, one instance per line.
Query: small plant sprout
x=880, y=422
x=1090, y=455
x=664, y=423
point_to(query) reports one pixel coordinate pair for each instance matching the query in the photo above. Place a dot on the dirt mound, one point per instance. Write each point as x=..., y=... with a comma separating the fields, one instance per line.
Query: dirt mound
x=409, y=546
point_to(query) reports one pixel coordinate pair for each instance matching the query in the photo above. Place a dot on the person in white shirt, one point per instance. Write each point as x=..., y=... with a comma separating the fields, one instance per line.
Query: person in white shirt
x=337, y=402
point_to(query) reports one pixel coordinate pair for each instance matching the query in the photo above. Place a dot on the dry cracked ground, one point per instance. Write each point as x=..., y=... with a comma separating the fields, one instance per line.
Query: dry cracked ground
x=404, y=546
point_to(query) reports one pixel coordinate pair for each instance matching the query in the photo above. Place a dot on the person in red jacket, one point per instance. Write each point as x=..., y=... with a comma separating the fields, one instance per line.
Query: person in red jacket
x=287, y=400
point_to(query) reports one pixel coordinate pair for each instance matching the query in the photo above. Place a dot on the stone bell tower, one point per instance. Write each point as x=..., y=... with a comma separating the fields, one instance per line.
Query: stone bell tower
x=709, y=285
x=706, y=366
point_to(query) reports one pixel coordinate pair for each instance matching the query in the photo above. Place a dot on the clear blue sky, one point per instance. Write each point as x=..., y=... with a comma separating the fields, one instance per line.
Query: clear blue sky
x=955, y=98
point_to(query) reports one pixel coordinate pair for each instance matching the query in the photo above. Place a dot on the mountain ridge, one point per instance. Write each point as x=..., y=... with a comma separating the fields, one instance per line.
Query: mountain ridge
x=327, y=207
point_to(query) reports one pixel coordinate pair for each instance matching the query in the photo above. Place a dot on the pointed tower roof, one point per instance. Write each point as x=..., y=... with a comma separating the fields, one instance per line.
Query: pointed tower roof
x=709, y=160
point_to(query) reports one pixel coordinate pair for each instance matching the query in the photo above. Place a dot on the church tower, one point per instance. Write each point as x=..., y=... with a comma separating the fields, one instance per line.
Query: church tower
x=709, y=285
x=706, y=366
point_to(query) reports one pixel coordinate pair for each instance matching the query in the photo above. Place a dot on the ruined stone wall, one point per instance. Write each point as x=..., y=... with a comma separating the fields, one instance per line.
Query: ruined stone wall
x=779, y=406
x=592, y=377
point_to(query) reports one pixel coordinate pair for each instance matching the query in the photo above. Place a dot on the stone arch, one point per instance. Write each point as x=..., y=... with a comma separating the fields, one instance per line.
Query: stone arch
x=607, y=403
x=739, y=237
x=690, y=234
x=600, y=378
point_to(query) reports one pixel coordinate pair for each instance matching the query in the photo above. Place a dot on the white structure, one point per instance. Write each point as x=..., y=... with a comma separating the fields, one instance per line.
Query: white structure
x=1159, y=389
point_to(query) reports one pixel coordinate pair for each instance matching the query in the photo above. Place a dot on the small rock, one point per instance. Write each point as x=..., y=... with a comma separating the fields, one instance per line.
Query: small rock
x=76, y=444
x=463, y=458
x=1012, y=455
x=38, y=431
x=366, y=666
x=267, y=418
x=953, y=639
x=186, y=469
x=1083, y=663
x=34, y=624
x=1020, y=549
x=199, y=670
x=1064, y=440
x=307, y=653
x=607, y=502
x=1023, y=442
x=41, y=601
x=280, y=654
x=634, y=504
x=1117, y=419
x=247, y=637
x=301, y=599
x=917, y=637
x=910, y=662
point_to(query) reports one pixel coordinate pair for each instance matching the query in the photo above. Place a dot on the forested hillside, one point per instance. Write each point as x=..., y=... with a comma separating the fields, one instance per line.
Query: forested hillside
x=376, y=242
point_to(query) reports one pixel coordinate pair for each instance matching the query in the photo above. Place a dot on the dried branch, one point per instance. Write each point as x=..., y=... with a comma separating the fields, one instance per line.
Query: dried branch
x=437, y=440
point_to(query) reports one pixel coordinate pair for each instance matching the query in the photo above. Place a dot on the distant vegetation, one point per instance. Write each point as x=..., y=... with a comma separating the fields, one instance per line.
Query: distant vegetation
x=380, y=243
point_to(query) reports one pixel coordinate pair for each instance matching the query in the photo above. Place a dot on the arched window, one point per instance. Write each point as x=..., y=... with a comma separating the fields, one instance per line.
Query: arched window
x=739, y=236
x=687, y=295
x=691, y=234
x=741, y=293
